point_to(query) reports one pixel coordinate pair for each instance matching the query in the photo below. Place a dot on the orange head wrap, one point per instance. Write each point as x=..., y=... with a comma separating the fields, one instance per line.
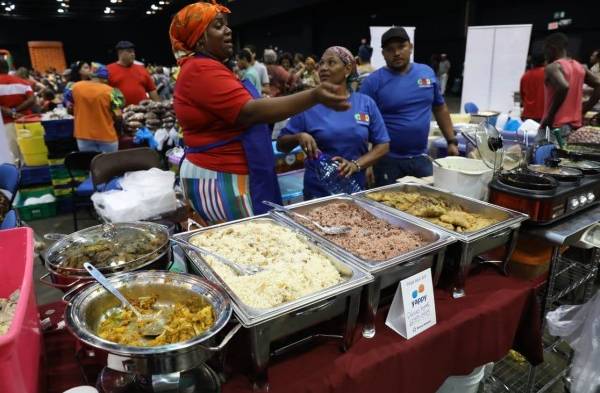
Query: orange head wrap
x=189, y=24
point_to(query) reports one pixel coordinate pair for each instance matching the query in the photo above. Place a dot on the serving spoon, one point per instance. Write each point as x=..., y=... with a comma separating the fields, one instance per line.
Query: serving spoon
x=241, y=270
x=154, y=324
x=325, y=229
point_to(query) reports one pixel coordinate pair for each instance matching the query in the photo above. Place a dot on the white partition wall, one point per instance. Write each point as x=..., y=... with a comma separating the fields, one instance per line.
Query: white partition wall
x=495, y=60
x=377, y=60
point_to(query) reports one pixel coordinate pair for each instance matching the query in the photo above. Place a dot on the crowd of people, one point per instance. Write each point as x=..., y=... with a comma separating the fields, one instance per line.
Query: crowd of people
x=374, y=123
x=557, y=90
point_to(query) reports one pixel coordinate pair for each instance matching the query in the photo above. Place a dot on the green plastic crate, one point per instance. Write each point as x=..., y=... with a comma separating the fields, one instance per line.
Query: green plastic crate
x=59, y=172
x=34, y=212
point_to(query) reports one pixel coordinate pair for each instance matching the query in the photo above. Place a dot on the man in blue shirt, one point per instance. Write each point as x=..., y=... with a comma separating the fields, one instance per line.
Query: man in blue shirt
x=406, y=94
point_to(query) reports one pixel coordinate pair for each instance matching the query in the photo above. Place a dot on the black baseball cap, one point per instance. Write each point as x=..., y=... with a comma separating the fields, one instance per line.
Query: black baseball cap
x=124, y=45
x=397, y=33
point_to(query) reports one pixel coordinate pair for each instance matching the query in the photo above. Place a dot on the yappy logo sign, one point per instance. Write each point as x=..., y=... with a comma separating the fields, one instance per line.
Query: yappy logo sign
x=413, y=308
x=418, y=295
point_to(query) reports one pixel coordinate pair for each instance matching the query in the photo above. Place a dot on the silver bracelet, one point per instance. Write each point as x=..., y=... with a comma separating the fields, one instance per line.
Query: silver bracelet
x=355, y=162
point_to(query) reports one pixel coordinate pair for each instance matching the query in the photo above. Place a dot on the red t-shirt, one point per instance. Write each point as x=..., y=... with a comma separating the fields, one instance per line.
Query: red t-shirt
x=532, y=94
x=208, y=99
x=13, y=92
x=134, y=82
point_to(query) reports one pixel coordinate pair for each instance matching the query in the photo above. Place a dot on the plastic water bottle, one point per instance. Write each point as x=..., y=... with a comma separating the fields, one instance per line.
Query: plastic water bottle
x=328, y=174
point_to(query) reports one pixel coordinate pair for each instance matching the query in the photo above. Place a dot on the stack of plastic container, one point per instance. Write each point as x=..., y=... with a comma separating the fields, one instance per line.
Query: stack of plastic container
x=30, y=138
x=35, y=180
x=60, y=142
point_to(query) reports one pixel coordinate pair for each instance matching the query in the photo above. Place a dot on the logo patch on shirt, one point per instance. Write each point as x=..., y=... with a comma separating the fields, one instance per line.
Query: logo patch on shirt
x=362, y=118
x=424, y=82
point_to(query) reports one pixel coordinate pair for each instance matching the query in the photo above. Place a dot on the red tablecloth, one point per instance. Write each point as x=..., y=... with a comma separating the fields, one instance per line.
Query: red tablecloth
x=498, y=313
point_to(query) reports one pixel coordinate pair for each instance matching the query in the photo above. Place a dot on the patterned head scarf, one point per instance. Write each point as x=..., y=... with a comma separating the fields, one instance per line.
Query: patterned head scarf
x=344, y=55
x=99, y=71
x=189, y=24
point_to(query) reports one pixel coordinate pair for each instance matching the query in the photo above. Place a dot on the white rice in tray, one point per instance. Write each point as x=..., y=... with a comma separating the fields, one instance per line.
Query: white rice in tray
x=292, y=268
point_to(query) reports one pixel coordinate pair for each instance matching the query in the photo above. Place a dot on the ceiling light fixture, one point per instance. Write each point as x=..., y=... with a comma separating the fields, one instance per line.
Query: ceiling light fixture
x=60, y=11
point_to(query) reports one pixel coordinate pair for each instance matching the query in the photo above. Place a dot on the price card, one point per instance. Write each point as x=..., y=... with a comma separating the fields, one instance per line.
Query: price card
x=413, y=308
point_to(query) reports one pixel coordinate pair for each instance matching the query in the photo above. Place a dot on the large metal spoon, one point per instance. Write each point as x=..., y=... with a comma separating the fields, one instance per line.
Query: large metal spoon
x=241, y=270
x=154, y=324
x=434, y=161
x=325, y=229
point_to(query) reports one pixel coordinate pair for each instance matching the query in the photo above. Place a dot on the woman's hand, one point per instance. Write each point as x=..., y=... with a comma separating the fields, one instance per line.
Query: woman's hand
x=329, y=95
x=347, y=168
x=308, y=144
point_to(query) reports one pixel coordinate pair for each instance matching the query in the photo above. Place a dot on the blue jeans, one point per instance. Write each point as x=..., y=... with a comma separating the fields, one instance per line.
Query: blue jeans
x=103, y=147
x=388, y=169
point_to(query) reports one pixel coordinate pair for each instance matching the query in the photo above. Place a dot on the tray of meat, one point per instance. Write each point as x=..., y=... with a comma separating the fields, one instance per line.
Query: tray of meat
x=375, y=240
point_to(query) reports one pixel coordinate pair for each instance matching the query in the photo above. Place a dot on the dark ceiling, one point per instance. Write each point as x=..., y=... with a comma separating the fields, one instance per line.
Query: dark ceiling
x=86, y=9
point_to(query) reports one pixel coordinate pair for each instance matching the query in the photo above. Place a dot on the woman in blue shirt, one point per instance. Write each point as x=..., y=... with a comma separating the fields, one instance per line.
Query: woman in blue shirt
x=346, y=135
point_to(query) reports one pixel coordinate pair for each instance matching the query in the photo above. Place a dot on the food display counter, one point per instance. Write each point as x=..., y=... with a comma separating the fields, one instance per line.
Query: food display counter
x=307, y=285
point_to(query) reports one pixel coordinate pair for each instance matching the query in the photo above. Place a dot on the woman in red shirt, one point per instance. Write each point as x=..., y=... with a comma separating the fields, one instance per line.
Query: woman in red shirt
x=229, y=167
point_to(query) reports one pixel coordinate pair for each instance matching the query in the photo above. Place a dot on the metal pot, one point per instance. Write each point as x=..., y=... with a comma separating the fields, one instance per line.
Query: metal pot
x=117, y=239
x=86, y=309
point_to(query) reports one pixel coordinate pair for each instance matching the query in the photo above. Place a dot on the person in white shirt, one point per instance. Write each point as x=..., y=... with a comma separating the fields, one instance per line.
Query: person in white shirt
x=443, y=71
x=260, y=68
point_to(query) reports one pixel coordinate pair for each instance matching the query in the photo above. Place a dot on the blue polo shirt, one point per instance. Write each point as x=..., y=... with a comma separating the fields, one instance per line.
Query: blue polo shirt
x=346, y=134
x=405, y=102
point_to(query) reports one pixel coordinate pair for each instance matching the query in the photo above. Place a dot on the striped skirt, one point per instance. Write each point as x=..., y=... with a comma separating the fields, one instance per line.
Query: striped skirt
x=216, y=196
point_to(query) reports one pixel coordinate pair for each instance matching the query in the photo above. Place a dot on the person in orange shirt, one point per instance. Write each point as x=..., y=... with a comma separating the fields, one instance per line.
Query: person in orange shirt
x=132, y=79
x=95, y=106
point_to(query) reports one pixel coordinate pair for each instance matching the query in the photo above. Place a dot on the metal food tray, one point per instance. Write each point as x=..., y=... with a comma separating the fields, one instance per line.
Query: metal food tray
x=435, y=238
x=250, y=316
x=265, y=326
x=506, y=218
x=470, y=244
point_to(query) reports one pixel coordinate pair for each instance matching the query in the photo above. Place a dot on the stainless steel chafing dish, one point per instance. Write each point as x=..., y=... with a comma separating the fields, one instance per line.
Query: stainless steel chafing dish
x=87, y=308
x=389, y=272
x=470, y=244
x=268, y=325
x=109, y=239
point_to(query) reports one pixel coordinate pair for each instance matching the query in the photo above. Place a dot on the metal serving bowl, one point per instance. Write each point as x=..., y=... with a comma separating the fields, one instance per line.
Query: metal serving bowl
x=86, y=309
x=120, y=234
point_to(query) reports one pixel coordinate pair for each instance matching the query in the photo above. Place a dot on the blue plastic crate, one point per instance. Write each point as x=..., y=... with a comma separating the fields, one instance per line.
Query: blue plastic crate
x=35, y=175
x=58, y=129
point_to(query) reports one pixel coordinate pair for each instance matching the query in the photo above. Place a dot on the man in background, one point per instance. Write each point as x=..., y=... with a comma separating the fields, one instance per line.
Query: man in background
x=16, y=100
x=280, y=80
x=406, y=94
x=365, y=52
x=532, y=89
x=247, y=71
x=260, y=68
x=133, y=80
x=443, y=72
x=564, y=79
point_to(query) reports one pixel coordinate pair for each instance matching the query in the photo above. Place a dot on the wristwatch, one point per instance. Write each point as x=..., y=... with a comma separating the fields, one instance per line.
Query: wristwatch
x=452, y=141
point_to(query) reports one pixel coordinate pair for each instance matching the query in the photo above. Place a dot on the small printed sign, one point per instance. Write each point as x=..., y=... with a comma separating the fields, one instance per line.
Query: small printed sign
x=413, y=308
